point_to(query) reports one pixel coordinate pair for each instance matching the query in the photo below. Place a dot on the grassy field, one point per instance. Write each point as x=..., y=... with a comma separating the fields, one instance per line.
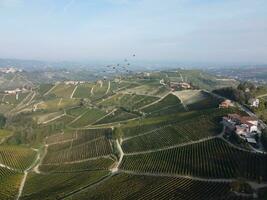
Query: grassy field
x=198, y=99
x=4, y=133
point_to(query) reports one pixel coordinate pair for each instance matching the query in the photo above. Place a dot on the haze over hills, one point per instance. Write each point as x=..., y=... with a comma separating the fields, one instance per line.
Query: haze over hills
x=133, y=99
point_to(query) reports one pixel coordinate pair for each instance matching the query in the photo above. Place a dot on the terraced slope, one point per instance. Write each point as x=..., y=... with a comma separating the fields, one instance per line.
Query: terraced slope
x=117, y=116
x=9, y=183
x=211, y=159
x=83, y=91
x=57, y=185
x=63, y=90
x=89, y=116
x=184, y=132
x=168, y=105
x=128, y=101
x=89, y=165
x=17, y=157
x=124, y=186
x=90, y=144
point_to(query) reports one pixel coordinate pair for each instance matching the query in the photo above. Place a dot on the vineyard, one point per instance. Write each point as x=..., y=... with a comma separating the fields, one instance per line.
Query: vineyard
x=130, y=137
x=16, y=157
x=211, y=159
x=57, y=185
x=90, y=165
x=14, y=99
x=83, y=91
x=170, y=104
x=149, y=89
x=57, y=104
x=117, y=116
x=63, y=90
x=9, y=183
x=128, y=101
x=183, y=132
x=149, y=187
x=84, y=145
x=211, y=116
x=88, y=117
x=44, y=88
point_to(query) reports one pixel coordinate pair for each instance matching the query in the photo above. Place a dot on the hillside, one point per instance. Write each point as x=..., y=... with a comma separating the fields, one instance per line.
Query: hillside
x=141, y=136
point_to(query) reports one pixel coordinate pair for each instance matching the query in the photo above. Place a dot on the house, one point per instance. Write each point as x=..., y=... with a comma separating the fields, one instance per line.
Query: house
x=13, y=91
x=254, y=102
x=179, y=85
x=73, y=82
x=226, y=104
x=243, y=126
x=252, y=141
x=229, y=124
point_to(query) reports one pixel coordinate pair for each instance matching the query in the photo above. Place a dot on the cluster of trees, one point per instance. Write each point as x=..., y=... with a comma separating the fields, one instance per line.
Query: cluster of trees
x=242, y=94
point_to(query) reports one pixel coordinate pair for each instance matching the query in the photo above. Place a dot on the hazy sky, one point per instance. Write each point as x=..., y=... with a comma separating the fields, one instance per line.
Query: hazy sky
x=155, y=30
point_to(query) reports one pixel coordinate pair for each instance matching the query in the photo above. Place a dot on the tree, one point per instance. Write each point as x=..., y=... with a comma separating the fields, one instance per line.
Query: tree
x=2, y=121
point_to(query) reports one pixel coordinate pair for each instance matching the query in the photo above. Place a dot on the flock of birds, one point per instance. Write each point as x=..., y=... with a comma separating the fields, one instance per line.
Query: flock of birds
x=119, y=68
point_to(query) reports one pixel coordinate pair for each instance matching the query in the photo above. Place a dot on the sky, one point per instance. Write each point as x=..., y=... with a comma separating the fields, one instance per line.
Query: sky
x=204, y=31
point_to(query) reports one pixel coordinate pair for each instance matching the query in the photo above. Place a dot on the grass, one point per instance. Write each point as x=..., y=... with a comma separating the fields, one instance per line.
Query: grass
x=209, y=101
x=4, y=133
